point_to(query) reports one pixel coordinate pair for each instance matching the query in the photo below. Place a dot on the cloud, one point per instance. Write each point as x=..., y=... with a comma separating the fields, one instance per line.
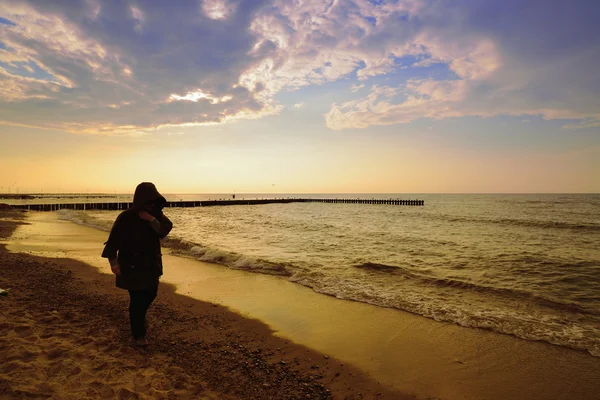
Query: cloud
x=518, y=59
x=584, y=124
x=356, y=88
x=117, y=67
x=218, y=9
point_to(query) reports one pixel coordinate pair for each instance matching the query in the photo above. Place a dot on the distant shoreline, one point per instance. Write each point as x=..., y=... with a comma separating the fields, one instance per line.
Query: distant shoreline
x=34, y=195
x=56, y=196
x=16, y=196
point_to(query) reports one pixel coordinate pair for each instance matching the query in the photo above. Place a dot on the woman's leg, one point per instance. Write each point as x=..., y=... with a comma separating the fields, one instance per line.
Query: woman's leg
x=150, y=296
x=139, y=302
x=137, y=307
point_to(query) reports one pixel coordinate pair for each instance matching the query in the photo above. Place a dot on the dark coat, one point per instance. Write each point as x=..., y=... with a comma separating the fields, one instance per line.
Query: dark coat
x=136, y=244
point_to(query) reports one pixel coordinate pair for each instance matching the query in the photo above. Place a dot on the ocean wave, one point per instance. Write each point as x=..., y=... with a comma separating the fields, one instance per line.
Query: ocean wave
x=227, y=258
x=590, y=227
x=81, y=218
x=457, y=284
x=513, y=317
x=577, y=226
x=378, y=267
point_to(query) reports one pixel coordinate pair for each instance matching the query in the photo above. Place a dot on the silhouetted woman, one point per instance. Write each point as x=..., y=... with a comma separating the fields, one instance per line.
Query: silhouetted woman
x=133, y=251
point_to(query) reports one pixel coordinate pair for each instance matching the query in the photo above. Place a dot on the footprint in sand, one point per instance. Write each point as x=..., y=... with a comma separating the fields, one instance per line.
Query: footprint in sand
x=161, y=382
x=5, y=327
x=100, y=389
x=9, y=366
x=54, y=353
x=54, y=369
x=70, y=369
x=126, y=394
x=23, y=331
x=21, y=354
x=44, y=387
x=140, y=384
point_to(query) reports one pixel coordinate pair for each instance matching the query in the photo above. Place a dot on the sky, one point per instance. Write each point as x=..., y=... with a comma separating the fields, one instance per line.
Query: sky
x=300, y=96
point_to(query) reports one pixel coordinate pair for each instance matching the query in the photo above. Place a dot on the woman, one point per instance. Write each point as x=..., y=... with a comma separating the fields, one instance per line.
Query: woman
x=133, y=251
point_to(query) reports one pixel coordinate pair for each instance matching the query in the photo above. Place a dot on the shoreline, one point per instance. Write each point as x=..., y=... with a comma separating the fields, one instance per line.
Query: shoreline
x=66, y=329
x=392, y=349
x=422, y=273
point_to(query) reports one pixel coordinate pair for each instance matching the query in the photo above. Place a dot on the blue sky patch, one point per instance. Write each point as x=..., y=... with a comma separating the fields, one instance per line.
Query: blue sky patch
x=28, y=70
x=371, y=20
x=5, y=21
x=406, y=61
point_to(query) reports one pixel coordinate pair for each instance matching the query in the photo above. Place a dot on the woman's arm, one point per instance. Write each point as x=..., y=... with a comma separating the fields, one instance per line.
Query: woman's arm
x=112, y=246
x=161, y=225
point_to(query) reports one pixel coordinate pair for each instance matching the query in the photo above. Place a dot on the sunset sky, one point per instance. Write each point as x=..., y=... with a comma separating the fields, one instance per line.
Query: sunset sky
x=300, y=96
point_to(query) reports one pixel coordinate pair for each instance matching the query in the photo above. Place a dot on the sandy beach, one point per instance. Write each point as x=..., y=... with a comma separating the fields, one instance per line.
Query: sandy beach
x=64, y=335
x=222, y=334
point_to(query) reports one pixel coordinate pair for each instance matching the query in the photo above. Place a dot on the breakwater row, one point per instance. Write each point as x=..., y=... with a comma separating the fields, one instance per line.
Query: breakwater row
x=207, y=203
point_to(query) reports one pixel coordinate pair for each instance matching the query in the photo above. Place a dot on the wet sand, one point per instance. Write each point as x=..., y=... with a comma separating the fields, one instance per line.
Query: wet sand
x=387, y=349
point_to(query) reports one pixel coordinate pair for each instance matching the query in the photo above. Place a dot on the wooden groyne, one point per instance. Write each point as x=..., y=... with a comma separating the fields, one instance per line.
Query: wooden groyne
x=207, y=203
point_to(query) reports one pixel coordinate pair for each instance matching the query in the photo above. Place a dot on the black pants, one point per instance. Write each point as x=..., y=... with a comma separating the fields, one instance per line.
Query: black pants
x=139, y=302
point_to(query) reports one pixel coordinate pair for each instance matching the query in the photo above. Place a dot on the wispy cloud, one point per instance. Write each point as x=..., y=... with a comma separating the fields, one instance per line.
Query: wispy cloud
x=584, y=124
x=114, y=68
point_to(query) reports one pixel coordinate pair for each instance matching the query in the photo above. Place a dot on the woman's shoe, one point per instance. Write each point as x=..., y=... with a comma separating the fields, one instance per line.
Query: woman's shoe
x=140, y=342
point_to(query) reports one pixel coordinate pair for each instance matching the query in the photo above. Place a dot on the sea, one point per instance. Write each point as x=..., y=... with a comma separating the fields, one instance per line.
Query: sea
x=526, y=265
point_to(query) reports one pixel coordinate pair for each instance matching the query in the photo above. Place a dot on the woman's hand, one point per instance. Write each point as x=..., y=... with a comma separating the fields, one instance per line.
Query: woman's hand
x=145, y=215
x=115, y=268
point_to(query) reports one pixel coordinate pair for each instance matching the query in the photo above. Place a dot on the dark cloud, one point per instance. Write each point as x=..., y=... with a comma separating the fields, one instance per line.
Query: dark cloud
x=139, y=58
